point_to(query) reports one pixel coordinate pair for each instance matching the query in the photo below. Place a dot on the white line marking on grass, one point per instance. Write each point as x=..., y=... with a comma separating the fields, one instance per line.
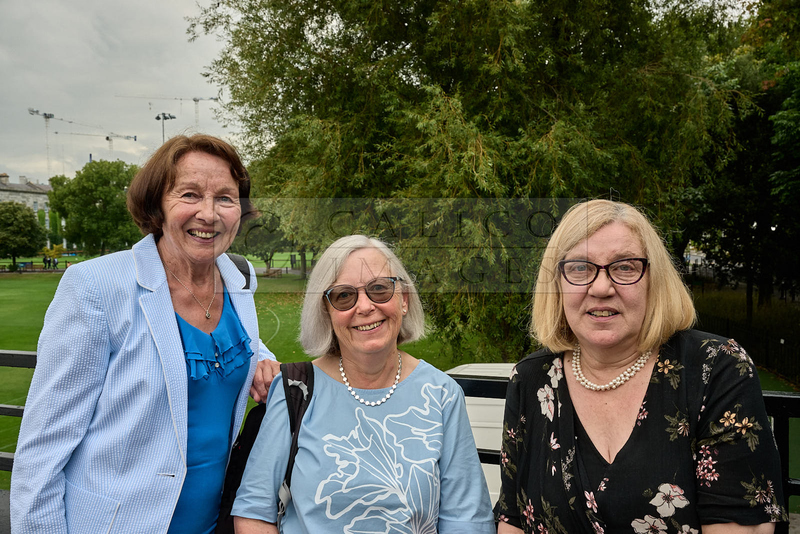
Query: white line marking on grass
x=277, y=329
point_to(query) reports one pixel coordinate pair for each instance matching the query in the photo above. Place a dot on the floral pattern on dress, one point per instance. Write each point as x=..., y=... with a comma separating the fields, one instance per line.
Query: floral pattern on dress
x=731, y=427
x=762, y=493
x=709, y=440
x=556, y=372
x=670, y=370
x=547, y=401
x=705, y=471
x=744, y=363
x=545, y=521
x=649, y=525
x=678, y=426
x=375, y=462
x=642, y=414
x=669, y=498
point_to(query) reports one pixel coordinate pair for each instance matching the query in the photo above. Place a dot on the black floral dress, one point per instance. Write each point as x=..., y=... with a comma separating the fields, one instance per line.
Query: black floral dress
x=701, y=452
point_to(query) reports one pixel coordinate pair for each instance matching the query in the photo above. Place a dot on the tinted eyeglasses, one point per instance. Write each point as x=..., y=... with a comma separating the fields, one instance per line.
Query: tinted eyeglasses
x=380, y=290
x=622, y=272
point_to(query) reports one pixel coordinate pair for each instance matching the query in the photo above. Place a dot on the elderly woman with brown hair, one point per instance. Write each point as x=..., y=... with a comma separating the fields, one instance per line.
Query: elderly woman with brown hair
x=385, y=445
x=628, y=420
x=145, y=361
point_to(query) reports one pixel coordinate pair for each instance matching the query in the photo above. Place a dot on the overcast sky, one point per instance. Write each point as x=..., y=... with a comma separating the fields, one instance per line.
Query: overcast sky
x=77, y=59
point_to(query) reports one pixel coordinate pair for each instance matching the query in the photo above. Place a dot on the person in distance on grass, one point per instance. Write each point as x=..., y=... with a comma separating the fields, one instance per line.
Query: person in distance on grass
x=385, y=445
x=145, y=361
x=628, y=420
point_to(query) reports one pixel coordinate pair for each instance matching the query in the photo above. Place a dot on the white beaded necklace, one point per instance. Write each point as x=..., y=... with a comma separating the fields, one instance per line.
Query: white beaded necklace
x=626, y=375
x=378, y=402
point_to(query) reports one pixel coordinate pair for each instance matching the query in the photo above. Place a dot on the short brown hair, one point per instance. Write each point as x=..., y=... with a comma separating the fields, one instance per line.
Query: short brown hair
x=158, y=175
x=669, y=303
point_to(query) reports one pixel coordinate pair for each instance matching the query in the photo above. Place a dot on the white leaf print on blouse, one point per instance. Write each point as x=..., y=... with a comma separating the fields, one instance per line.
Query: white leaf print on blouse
x=387, y=476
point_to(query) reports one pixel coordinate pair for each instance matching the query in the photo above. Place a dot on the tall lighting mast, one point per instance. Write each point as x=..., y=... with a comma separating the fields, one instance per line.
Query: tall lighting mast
x=164, y=117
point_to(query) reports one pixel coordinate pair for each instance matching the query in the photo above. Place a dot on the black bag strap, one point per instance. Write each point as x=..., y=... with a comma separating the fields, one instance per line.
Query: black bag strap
x=298, y=385
x=243, y=266
x=233, y=476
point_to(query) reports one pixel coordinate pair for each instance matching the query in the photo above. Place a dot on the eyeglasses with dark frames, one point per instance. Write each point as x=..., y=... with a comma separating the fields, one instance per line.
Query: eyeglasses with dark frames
x=380, y=290
x=622, y=272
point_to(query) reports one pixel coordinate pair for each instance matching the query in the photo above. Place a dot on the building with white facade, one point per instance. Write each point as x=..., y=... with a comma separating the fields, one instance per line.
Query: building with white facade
x=32, y=194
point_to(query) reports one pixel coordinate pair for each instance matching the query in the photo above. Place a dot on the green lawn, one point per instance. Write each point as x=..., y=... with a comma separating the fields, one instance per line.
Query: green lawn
x=25, y=298
x=279, y=261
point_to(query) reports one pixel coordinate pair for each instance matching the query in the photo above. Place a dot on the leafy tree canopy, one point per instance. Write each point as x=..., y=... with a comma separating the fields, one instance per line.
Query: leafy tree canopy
x=20, y=231
x=93, y=204
x=744, y=217
x=445, y=99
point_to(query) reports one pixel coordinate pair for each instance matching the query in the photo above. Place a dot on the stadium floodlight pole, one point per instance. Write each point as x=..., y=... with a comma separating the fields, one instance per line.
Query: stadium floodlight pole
x=164, y=117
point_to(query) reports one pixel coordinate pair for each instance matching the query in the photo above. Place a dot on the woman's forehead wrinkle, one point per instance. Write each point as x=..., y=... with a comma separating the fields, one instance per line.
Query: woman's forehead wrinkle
x=367, y=273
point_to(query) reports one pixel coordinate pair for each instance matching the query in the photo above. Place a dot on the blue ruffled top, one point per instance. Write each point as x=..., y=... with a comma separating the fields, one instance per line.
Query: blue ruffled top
x=227, y=348
x=216, y=371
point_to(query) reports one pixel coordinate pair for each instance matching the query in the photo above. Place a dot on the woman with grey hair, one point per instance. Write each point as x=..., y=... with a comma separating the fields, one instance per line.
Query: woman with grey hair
x=385, y=445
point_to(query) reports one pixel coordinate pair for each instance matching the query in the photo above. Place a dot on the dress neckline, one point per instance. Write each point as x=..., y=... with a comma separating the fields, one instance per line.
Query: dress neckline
x=225, y=303
x=368, y=391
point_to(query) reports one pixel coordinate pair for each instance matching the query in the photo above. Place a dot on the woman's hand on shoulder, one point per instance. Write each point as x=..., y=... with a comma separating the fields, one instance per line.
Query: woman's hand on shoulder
x=266, y=370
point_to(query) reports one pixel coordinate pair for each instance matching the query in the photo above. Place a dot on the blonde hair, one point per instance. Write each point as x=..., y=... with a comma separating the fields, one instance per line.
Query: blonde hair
x=669, y=307
x=316, y=332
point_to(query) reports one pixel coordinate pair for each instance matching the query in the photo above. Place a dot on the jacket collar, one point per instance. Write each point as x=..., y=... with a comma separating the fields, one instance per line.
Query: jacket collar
x=159, y=314
x=150, y=273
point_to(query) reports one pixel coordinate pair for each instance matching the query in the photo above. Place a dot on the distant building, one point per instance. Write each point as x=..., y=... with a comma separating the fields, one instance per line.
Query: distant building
x=31, y=194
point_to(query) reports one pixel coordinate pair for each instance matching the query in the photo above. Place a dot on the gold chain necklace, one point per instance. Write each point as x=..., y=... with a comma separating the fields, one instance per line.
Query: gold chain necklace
x=214, y=275
x=378, y=402
x=626, y=375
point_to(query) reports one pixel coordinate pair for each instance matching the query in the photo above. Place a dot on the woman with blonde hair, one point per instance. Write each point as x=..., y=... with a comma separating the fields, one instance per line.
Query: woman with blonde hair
x=627, y=420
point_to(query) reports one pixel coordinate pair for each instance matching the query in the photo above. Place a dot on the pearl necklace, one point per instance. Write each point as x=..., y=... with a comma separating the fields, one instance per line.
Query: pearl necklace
x=626, y=375
x=214, y=275
x=378, y=402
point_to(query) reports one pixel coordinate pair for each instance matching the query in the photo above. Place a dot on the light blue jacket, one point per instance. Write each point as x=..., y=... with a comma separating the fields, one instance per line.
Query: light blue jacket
x=102, y=446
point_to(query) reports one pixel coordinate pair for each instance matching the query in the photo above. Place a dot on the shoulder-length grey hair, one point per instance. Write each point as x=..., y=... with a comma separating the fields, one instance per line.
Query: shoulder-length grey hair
x=316, y=332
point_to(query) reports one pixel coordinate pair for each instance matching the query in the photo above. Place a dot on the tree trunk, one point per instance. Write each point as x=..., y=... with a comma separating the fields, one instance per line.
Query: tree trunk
x=749, y=319
x=303, y=267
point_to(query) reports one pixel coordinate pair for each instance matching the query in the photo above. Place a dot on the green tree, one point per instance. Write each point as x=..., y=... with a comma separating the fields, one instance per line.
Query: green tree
x=54, y=232
x=93, y=205
x=20, y=232
x=745, y=218
x=262, y=237
x=463, y=99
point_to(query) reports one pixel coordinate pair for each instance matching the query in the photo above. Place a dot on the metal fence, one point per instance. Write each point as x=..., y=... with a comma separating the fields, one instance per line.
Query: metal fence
x=780, y=406
x=13, y=358
x=779, y=353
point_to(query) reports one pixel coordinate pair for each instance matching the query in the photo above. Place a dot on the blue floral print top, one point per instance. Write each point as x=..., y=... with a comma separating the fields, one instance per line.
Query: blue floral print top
x=407, y=466
x=701, y=451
